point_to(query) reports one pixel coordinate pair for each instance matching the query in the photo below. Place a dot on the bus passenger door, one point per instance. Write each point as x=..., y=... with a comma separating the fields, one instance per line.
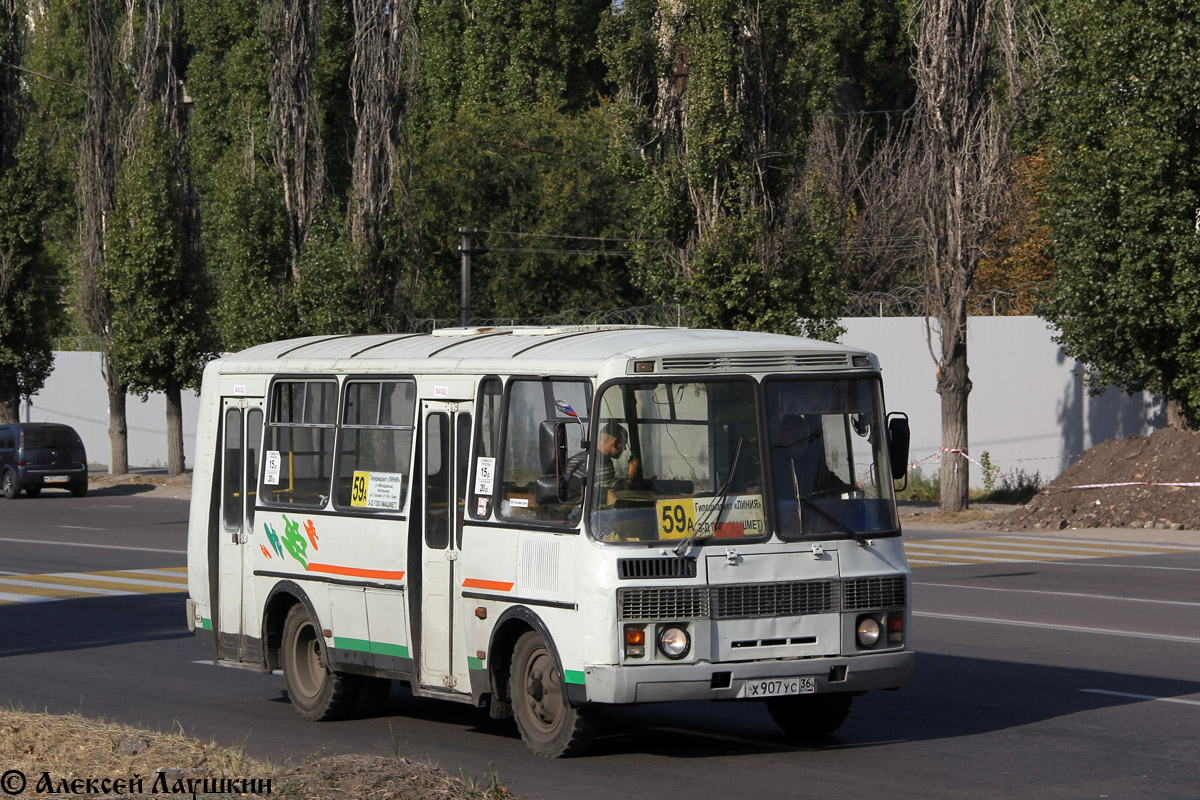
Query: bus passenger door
x=446, y=438
x=241, y=438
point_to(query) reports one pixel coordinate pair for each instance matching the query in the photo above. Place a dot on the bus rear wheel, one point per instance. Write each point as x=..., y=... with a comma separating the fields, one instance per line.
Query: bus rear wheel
x=549, y=724
x=316, y=692
x=812, y=716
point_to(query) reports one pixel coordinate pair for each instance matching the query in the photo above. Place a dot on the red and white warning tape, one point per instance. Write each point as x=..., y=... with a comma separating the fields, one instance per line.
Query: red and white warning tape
x=996, y=471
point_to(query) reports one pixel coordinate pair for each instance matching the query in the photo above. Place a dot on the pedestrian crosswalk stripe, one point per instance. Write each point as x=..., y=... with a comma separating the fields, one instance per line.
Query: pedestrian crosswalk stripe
x=21, y=588
x=1016, y=549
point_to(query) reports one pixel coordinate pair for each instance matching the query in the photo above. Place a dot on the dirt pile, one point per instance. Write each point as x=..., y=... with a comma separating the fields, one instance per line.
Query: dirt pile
x=1147, y=466
x=72, y=756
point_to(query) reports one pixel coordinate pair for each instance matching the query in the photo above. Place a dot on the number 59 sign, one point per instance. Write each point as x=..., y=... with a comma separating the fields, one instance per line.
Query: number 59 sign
x=676, y=518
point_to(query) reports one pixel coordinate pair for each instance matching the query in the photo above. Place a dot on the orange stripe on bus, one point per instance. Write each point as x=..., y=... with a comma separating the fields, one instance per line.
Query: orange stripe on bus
x=354, y=572
x=498, y=586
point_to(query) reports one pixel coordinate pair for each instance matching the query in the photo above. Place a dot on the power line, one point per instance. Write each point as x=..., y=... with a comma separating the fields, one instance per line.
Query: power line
x=565, y=236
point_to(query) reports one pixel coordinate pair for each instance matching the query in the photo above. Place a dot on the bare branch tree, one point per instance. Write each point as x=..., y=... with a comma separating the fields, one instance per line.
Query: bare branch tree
x=976, y=61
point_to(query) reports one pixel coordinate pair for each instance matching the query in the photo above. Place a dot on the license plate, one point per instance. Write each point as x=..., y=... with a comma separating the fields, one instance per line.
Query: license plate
x=777, y=687
x=55, y=479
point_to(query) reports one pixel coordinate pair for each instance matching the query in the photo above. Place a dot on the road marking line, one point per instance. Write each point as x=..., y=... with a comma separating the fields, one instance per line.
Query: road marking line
x=80, y=528
x=1149, y=548
x=1143, y=697
x=64, y=588
x=98, y=546
x=1058, y=552
x=10, y=597
x=1053, y=627
x=1060, y=594
x=76, y=585
x=116, y=577
x=1126, y=566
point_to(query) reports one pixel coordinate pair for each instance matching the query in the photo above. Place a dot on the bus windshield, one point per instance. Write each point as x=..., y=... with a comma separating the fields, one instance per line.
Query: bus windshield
x=680, y=460
x=673, y=460
x=828, y=466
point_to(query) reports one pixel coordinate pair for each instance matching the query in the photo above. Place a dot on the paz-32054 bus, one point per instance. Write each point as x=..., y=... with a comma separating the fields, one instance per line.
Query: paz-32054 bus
x=544, y=521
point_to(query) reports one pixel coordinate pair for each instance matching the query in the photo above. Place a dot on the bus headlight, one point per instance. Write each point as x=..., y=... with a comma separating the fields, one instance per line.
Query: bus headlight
x=868, y=631
x=674, y=641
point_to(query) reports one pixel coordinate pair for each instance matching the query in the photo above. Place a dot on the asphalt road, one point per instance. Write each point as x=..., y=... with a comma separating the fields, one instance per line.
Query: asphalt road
x=1056, y=667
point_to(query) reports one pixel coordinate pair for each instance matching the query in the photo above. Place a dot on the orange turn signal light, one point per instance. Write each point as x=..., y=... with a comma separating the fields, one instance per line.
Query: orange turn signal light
x=635, y=641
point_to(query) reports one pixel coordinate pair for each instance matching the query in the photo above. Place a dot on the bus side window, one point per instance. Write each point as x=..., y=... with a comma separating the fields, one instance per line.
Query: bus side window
x=375, y=445
x=232, y=470
x=299, y=442
x=437, y=481
x=487, y=439
x=254, y=426
x=531, y=402
x=462, y=446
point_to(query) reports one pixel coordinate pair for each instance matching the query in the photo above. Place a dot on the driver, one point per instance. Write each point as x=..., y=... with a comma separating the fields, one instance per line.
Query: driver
x=610, y=477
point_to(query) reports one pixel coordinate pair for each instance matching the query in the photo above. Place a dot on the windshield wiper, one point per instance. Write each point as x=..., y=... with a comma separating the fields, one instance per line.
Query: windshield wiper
x=862, y=541
x=717, y=506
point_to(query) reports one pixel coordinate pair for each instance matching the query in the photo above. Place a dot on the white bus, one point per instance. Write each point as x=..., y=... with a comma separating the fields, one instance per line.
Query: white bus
x=543, y=521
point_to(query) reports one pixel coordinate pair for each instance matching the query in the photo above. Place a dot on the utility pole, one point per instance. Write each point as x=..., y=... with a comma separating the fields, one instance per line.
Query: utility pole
x=464, y=314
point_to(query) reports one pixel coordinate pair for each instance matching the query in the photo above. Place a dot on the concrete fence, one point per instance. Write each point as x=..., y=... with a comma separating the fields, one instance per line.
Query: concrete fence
x=1028, y=409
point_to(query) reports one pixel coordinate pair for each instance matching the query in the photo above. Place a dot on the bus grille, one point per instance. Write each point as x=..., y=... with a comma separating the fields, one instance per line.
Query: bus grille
x=752, y=362
x=755, y=600
x=749, y=600
x=668, y=602
x=631, y=568
x=884, y=591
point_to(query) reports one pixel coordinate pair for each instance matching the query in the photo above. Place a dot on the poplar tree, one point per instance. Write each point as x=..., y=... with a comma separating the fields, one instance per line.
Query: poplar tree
x=28, y=293
x=1123, y=122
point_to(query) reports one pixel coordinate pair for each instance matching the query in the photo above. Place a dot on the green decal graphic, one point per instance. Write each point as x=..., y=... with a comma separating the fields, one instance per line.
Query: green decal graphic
x=273, y=538
x=573, y=676
x=296, y=544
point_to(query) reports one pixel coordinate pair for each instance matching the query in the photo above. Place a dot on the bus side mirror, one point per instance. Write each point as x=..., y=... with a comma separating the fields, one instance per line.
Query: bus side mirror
x=545, y=490
x=552, y=446
x=551, y=487
x=898, y=435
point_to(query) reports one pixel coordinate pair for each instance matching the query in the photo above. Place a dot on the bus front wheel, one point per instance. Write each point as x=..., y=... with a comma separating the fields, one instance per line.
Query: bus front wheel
x=549, y=724
x=316, y=692
x=811, y=716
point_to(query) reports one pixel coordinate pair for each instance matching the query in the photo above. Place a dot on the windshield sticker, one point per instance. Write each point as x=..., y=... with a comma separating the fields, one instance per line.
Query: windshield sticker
x=739, y=516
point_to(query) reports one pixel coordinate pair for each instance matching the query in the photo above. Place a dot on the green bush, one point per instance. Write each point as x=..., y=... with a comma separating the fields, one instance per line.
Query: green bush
x=921, y=487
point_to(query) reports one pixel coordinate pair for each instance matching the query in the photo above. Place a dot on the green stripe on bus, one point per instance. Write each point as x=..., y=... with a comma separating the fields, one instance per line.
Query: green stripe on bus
x=474, y=663
x=344, y=643
x=205, y=624
x=573, y=676
x=367, y=646
x=385, y=649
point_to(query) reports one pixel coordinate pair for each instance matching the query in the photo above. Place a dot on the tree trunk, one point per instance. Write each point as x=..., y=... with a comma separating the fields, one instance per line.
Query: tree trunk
x=118, y=427
x=175, y=464
x=954, y=385
x=10, y=410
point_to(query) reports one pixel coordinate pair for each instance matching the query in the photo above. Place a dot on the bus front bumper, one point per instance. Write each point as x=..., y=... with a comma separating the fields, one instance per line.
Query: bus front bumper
x=655, y=683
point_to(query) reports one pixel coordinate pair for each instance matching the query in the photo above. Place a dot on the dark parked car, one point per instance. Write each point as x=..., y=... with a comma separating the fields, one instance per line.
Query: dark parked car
x=34, y=455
